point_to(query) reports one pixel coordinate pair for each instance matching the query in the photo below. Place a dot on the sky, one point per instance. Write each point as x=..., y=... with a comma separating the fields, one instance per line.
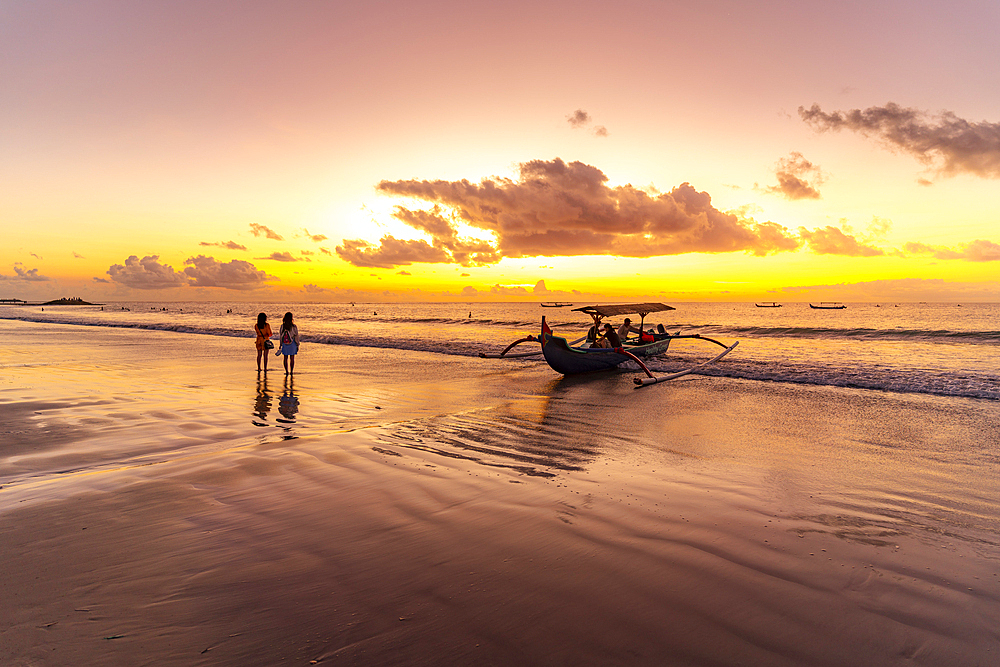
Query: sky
x=472, y=151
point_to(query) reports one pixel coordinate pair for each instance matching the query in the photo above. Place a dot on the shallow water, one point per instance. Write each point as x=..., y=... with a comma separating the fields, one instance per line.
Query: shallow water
x=942, y=349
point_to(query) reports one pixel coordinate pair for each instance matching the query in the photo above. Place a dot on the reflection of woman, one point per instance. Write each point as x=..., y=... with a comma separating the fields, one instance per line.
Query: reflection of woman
x=262, y=405
x=288, y=404
x=263, y=331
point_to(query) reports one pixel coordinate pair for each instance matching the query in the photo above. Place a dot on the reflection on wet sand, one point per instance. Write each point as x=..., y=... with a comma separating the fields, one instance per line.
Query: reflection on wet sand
x=288, y=404
x=262, y=403
x=539, y=436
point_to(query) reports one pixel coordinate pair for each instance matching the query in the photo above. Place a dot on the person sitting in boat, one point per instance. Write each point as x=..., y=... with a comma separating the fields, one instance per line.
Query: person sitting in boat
x=625, y=329
x=610, y=338
x=592, y=336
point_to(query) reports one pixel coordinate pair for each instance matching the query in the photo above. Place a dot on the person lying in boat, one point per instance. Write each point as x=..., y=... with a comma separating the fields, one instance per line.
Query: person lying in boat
x=626, y=328
x=610, y=338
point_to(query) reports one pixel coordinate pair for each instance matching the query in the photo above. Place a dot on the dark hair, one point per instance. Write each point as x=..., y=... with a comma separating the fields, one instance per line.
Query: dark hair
x=286, y=321
x=261, y=320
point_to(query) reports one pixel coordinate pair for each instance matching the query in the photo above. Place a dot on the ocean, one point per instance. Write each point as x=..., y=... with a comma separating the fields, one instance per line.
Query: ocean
x=923, y=348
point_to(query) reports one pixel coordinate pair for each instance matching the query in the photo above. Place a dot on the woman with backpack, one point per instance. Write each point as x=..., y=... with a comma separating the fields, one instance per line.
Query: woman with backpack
x=288, y=334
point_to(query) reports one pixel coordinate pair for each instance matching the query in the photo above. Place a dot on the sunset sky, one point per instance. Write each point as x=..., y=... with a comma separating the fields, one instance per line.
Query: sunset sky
x=544, y=150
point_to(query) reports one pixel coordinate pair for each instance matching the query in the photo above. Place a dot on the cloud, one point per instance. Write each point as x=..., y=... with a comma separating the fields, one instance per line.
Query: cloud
x=34, y=255
x=284, y=257
x=314, y=289
x=101, y=280
x=600, y=131
x=979, y=250
x=578, y=118
x=325, y=251
x=29, y=275
x=78, y=255
x=307, y=253
x=146, y=273
x=229, y=245
x=559, y=209
x=793, y=172
x=236, y=274
x=469, y=290
x=954, y=144
x=832, y=241
x=390, y=253
x=318, y=238
x=403, y=273
x=257, y=230
x=539, y=288
x=464, y=275
x=516, y=290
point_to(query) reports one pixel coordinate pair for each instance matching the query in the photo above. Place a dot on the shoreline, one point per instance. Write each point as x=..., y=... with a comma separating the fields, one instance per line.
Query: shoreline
x=150, y=514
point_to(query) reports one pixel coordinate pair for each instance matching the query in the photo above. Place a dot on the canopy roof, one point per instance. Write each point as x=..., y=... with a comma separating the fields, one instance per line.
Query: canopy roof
x=611, y=310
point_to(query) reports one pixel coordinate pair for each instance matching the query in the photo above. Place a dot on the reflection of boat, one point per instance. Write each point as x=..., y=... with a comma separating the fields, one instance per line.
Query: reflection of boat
x=828, y=305
x=768, y=304
x=570, y=358
x=555, y=304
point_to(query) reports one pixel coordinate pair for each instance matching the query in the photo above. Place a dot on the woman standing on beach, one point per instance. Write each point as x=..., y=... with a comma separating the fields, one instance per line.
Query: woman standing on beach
x=289, y=335
x=263, y=331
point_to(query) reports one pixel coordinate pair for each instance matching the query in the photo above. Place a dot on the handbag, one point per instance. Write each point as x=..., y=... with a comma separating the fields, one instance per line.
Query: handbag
x=268, y=344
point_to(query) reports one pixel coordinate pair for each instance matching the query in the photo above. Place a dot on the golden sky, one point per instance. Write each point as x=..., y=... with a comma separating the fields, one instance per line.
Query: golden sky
x=339, y=151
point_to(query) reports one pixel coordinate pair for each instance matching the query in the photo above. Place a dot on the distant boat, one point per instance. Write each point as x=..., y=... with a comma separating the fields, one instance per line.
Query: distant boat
x=828, y=305
x=768, y=304
x=555, y=304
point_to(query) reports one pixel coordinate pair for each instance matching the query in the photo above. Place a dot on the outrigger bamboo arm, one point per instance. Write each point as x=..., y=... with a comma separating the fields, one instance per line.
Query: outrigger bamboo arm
x=643, y=382
x=526, y=339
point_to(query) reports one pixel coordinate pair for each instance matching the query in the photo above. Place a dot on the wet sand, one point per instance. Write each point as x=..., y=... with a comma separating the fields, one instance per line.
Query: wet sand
x=160, y=504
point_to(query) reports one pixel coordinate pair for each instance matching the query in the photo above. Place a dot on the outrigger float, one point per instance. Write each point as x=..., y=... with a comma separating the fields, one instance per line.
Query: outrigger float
x=571, y=358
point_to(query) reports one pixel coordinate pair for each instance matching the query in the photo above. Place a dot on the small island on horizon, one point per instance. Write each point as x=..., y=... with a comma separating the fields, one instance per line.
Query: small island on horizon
x=64, y=301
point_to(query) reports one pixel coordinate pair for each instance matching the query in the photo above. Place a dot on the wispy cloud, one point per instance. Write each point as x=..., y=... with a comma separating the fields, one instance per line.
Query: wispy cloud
x=578, y=118
x=832, y=241
x=390, y=253
x=318, y=238
x=794, y=174
x=28, y=275
x=953, y=144
x=228, y=245
x=284, y=257
x=979, y=250
x=262, y=230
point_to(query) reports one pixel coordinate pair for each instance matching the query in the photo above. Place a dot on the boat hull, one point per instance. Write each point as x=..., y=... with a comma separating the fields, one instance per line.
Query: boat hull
x=574, y=360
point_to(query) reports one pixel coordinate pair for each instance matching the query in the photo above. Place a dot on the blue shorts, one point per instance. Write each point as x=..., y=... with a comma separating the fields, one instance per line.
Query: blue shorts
x=291, y=349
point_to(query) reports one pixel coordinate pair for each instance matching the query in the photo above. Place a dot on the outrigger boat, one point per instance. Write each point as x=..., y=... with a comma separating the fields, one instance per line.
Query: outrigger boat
x=828, y=305
x=555, y=304
x=768, y=304
x=571, y=358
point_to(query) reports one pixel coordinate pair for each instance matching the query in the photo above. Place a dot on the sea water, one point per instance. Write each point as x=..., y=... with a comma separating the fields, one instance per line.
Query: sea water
x=925, y=348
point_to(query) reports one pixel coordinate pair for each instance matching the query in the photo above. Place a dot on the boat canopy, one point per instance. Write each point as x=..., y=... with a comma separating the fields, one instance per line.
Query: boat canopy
x=611, y=310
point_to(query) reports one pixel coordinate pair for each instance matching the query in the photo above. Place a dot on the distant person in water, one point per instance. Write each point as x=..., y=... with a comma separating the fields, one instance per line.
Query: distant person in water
x=263, y=331
x=289, y=336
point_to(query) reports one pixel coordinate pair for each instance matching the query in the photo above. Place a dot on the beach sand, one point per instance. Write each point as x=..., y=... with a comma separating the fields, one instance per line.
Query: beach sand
x=161, y=505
